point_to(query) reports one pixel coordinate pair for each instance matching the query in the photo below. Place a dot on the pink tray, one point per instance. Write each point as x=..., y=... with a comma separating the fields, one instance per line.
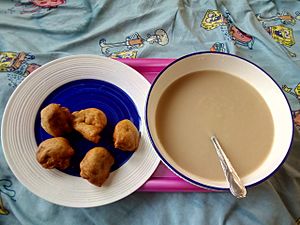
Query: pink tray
x=162, y=180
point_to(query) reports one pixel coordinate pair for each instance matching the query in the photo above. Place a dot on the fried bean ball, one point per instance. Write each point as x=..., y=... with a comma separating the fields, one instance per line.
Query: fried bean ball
x=55, y=153
x=56, y=120
x=96, y=165
x=89, y=122
x=126, y=136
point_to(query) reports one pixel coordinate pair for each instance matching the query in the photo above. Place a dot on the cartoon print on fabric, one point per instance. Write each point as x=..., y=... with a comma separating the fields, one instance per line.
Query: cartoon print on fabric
x=17, y=66
x=293, y=91
x=124, y=55
x=35, y=6
x=282, y=18
x=212, y=19
x=130, y=46
x=5, y=190
x=277, y=27
x=281, y=34
x=219, y=47
x=296, y=93
x=215, y=19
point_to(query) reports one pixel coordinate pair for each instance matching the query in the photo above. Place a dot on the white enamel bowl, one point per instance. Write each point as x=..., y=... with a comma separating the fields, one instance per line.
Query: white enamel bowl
x=247, y=71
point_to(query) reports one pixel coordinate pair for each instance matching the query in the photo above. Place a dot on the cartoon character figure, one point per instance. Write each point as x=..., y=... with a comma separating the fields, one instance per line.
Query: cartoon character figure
x=283, y=18
x=214, y=19
x=12, y=61
x=36, y=6
x=124, y=55
x=284, y=36
x=134, y=41
x=276, y=27
x=6, y=61
x=5, y=189
x=296, y=92
x=48, y=3
x=160, y=37
x=219, y=47
x=17, y=66
x=241, y=38
x=30, y=68
x=281, y=34
x=16, y=77
x=287, y=89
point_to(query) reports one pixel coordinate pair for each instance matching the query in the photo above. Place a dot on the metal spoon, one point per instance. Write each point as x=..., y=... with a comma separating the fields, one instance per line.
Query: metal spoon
x=235, y=184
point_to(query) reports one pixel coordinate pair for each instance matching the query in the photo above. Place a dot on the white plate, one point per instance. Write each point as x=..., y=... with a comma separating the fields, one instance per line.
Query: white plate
x=19, y=143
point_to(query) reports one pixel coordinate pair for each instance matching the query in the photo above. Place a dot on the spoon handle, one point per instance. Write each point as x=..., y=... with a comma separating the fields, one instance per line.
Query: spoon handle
x=235, y=184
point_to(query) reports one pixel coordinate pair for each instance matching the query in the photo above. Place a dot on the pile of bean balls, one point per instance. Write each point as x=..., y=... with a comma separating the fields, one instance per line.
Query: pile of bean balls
x=57, y=152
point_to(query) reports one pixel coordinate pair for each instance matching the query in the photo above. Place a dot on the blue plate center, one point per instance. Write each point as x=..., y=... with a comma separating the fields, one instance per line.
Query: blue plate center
x=90, y=93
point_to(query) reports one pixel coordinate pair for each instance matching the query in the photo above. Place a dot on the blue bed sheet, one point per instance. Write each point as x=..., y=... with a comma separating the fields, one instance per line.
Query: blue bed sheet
x=266, y=32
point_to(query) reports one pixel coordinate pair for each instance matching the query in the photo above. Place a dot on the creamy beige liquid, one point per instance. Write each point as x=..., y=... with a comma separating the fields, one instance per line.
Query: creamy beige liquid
x=211, y=102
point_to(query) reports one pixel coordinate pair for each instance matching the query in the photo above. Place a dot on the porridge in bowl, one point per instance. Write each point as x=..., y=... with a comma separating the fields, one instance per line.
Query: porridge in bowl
x=206, y=103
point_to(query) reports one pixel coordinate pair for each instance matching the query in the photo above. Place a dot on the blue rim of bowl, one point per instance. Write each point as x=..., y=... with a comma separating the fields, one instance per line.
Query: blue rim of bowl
x=181, y=174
